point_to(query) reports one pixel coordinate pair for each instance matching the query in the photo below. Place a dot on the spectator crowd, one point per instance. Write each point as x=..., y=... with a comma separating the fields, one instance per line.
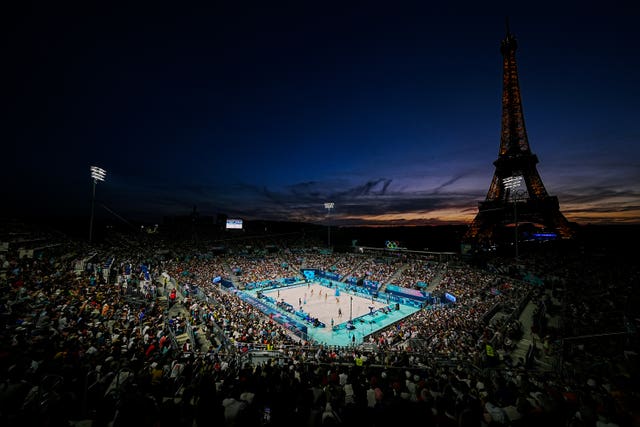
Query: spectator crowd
x=92, y=333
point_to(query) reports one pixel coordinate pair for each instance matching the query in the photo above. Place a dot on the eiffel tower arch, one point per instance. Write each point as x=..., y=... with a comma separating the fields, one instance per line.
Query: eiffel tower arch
x=517, y=200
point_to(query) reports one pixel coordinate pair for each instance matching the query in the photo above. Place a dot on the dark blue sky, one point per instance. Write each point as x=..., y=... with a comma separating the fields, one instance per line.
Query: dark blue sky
x=391, y=110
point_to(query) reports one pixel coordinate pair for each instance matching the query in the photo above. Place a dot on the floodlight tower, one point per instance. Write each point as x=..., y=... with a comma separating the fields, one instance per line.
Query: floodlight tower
x=328, y=206
x=514, y=185
x=97, y=174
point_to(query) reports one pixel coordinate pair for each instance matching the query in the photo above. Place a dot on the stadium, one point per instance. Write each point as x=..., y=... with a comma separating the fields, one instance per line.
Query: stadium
x=277, y=329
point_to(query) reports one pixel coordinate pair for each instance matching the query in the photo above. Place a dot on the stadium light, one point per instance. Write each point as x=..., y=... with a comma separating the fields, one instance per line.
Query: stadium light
x=512, y=182
x=97, y=174
x=328, y=206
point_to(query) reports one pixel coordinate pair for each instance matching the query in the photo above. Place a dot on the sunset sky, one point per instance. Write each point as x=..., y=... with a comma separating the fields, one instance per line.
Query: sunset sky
x=390, y=110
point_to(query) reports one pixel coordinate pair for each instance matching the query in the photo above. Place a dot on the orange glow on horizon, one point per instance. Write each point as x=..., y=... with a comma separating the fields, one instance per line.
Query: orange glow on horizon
x=438, y=217
x=579, y=214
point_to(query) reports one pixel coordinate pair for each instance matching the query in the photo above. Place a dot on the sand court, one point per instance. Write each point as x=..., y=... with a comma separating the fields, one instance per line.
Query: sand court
x=321, y=302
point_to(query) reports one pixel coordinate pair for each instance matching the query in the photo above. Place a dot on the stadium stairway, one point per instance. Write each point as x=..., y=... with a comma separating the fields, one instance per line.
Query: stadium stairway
x=178, y=309
x=393, y=277
x=435, y=282
x=542, y=360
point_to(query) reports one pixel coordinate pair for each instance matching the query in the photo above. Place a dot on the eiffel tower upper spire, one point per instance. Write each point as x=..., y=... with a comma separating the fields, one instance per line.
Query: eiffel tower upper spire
x=514, y=133
x=509, y=38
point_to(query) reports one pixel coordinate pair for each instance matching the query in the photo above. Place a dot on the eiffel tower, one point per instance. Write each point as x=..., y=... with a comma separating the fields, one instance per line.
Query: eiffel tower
x=517, y=198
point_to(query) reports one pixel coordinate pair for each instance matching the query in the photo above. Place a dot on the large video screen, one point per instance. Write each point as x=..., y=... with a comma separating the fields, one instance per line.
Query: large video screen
x=235, y=224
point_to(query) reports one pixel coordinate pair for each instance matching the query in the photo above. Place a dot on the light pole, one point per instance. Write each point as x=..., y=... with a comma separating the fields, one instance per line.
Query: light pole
x=517, y=196
x=328, y=206
x=97, y=174
x=516, y=189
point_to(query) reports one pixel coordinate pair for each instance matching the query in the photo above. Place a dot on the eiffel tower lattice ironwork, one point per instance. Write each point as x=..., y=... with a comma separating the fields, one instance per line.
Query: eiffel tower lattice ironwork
x=517, y=194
